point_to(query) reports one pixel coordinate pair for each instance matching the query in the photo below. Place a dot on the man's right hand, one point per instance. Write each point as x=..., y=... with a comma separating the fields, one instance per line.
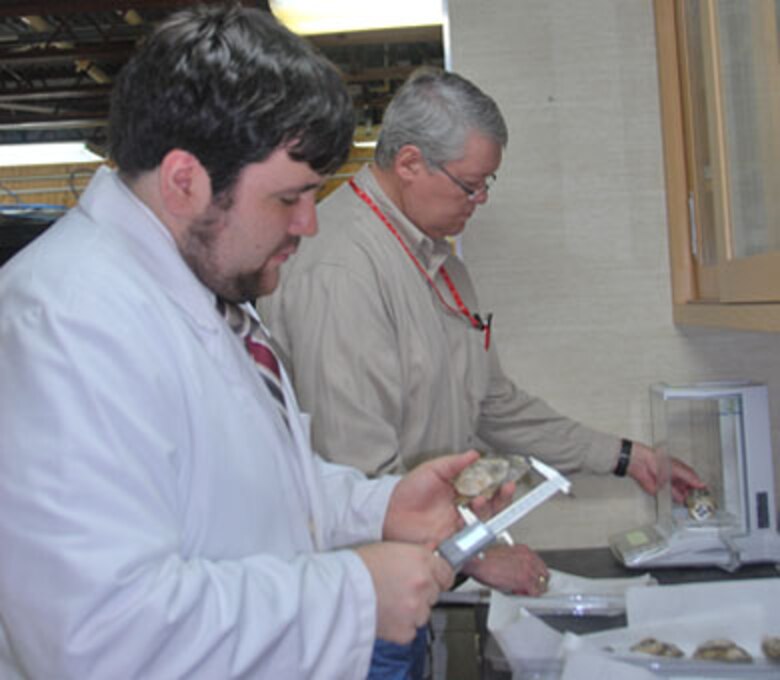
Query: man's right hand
x=407, y=580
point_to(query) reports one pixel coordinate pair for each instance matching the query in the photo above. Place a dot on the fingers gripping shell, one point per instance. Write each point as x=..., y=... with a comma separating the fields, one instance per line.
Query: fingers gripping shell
x=483, y=477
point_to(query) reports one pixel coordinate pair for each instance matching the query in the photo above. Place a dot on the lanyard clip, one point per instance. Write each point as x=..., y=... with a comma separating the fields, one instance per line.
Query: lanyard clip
x=484, y=326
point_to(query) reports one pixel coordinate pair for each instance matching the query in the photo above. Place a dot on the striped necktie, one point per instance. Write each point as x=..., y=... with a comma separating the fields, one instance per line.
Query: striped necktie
x=256, y=343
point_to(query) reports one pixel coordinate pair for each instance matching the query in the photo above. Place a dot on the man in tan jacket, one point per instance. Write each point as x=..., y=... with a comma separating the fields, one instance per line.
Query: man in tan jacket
x=389, y=350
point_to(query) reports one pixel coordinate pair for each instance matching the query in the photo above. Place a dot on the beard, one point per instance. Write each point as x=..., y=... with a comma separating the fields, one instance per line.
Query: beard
x=268, y=281
x=198, y=248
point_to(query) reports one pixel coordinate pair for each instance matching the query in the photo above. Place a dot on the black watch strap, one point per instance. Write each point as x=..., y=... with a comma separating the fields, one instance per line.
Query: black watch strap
x=625, y=458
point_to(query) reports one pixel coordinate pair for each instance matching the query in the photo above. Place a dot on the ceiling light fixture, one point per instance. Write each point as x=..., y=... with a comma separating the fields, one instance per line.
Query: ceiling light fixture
x=46, y=154
x=314, y=17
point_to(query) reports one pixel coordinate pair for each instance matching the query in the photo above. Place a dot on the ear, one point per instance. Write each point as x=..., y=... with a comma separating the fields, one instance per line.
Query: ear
x=409, y=163
x=185, y=186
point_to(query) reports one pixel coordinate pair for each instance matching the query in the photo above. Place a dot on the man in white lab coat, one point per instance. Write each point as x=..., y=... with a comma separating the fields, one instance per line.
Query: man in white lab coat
x=161, y=516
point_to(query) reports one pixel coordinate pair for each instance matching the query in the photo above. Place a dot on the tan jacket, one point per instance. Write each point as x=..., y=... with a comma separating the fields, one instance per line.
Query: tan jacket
x=391, y=376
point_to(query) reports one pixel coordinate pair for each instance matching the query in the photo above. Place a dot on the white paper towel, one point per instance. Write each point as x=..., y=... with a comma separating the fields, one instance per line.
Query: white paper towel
x=590, y=666
x=743, y=625
x=741, y=610
x=534, y=650
x=686, y=615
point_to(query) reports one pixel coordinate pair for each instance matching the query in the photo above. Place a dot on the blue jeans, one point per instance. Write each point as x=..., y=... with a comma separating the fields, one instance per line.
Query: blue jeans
x=391, y=661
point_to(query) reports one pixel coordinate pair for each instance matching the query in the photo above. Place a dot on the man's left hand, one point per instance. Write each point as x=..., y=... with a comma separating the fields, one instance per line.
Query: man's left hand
x=512, y=569
x=644, y=467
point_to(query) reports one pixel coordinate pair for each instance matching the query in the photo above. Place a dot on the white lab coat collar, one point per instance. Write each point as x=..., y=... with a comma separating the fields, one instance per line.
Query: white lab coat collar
x=153, y=243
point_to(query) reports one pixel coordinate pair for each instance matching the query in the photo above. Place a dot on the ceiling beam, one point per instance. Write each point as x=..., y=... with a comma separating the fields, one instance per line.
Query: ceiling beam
x=17, y=8
x=367, y=75
x=62, y=122
x=50, y=93
x=409, y=34
x=113, y=52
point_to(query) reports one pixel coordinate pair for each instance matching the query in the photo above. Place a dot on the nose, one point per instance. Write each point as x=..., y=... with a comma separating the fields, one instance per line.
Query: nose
x=304, y=222
x=481, y=196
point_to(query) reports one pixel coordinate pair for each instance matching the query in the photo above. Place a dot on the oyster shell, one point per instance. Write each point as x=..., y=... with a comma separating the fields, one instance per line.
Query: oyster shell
x=657, y=648
x=770, y=645
x=722, y=650
x=484, y=476
x=701, y=505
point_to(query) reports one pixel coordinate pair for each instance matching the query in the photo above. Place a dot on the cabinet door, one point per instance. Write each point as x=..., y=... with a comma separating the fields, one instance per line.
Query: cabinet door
x=719, y=67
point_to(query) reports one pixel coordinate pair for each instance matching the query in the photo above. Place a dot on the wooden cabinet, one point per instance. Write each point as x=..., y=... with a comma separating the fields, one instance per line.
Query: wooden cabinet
x=719, y=74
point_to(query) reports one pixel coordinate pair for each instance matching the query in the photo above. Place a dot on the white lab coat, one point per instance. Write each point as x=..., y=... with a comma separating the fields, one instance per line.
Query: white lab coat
x=157, y=519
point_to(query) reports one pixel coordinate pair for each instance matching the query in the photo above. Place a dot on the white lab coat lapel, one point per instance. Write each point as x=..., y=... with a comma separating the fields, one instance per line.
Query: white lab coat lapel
x=301, y=453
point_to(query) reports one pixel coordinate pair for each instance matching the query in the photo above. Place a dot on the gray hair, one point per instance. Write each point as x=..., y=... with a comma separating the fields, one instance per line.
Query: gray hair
x=435, y=110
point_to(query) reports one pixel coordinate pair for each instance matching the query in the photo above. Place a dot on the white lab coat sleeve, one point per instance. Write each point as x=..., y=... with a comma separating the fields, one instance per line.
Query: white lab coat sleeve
x=357, y=505
x=94, y=579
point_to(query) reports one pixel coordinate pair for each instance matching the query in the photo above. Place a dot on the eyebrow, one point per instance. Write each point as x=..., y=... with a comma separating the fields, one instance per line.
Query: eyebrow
x=302, y=188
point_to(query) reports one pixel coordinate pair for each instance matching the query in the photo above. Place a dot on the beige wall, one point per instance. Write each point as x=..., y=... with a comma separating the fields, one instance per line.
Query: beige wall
x=570, y=253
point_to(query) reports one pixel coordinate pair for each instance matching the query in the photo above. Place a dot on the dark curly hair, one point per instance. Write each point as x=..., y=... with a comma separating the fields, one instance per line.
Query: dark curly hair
x=229, y=85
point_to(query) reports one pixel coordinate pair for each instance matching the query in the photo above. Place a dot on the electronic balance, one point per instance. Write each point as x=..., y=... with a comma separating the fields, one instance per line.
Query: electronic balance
x=722, y=431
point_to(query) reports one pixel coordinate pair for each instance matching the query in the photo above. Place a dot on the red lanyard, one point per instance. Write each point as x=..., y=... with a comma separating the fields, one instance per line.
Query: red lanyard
x=474, y=319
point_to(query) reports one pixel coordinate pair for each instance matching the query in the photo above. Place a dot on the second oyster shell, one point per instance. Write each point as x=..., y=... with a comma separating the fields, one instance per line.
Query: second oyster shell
x=722, y=650
x=770, y=645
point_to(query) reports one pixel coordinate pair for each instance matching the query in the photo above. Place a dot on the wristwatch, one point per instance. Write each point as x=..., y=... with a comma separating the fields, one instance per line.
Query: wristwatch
x=624, y=459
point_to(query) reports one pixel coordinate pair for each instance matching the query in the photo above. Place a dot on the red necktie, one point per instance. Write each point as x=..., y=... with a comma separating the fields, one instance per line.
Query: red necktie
x=256, y=343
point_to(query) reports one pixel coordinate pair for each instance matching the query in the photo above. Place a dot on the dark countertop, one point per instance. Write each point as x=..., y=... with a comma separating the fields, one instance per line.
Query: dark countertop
x=601, y=563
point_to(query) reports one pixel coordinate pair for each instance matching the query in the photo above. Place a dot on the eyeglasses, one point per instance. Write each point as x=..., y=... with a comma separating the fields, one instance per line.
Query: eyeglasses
x=472, y=193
